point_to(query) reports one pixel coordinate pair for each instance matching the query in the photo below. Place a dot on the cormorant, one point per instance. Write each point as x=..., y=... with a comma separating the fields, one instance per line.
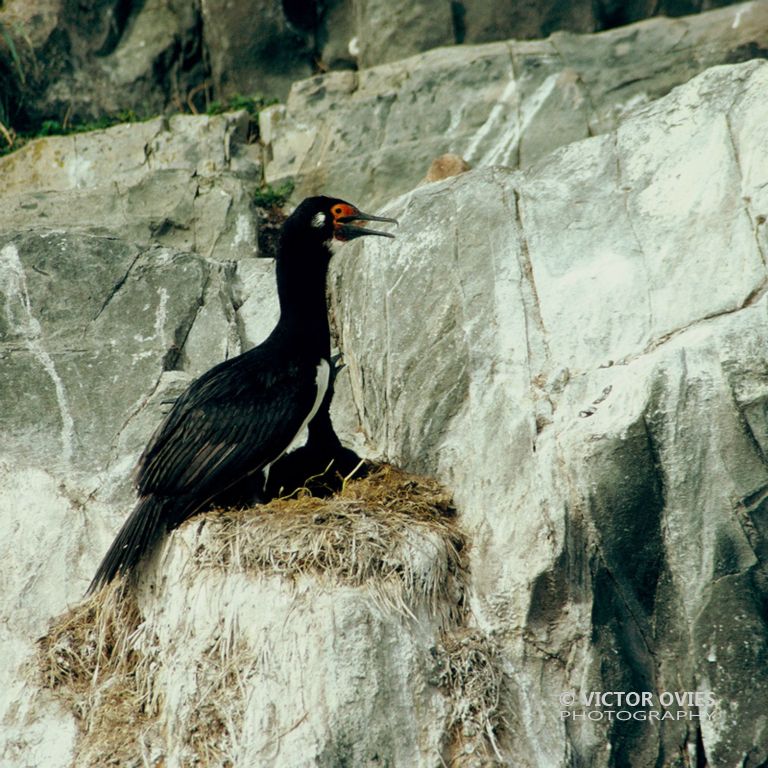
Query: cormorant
x=238, y=418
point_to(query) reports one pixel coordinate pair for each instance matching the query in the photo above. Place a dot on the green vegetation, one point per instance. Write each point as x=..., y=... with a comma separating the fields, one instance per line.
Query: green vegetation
x=251, y=104
x=14, y=53
x=11, y=140
x=55, y=128
x=270, y=197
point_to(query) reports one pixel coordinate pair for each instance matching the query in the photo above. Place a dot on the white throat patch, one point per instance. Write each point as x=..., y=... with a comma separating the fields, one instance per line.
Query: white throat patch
x=318, y=220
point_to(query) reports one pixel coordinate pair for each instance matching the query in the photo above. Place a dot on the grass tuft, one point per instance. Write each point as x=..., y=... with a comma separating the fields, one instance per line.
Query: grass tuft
x=268, y=196
x=251, y=104
x=88, y=659
x=470, y=674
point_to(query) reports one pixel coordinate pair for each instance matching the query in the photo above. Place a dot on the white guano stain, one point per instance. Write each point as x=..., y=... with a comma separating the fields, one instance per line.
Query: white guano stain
x=18, y=308
x=244, y=234
x=505, y=135
x=79, y=172
x=161, y=316
x=158, y=330
x=538, y=98
x=739, y=14
x=494, y=120
x=502, y=153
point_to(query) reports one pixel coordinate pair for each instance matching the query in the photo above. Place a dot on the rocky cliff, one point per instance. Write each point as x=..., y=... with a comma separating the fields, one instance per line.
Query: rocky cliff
x=64, y=60
x=570, y=337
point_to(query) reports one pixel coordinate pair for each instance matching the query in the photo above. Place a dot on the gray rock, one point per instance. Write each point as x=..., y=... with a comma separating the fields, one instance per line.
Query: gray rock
x=480, y=22
x=497, y=104
x=576, y=349
x=254, y=48
x=65, y=303
x=79, y=62
x=337, y=36
x=579, y=352
x=84, y=61
x=185, y=183
x=388, y=31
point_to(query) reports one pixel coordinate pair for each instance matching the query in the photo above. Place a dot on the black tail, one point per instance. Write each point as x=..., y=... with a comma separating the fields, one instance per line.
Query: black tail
x=137, y=536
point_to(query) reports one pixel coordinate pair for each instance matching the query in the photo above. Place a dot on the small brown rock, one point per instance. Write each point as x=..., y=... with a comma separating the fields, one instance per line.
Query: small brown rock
x=445, y=166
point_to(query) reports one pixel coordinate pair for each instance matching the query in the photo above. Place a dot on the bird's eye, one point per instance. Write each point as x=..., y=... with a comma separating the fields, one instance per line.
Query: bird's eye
x=337, y=210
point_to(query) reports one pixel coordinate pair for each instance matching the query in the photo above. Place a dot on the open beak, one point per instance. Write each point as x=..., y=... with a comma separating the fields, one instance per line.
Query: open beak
x=347, y=228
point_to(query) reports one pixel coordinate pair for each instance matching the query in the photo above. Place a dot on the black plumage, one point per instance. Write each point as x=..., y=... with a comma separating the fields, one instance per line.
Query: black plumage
x=322, y=463
x=231, y=424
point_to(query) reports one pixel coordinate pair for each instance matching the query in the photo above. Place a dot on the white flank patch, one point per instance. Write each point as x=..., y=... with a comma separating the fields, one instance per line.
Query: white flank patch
x=321, y=382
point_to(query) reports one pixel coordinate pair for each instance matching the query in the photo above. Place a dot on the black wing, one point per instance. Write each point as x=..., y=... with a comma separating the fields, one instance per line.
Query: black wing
x=237, y=417
x=232, y=421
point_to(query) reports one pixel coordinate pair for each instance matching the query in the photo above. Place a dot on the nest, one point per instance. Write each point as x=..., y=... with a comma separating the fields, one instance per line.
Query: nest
x=391, y=532
x=87, y=658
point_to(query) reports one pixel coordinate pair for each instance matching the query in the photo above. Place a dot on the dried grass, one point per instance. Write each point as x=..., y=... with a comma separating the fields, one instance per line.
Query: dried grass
x=392, y=532
x=87, y=658
x=212, y=730
x=470, y=674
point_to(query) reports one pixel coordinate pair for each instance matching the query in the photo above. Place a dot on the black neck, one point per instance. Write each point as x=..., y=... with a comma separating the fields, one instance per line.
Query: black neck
x=301, y=291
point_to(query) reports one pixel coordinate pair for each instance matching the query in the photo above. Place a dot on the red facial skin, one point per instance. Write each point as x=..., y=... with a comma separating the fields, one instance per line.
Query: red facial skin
x=339, y=212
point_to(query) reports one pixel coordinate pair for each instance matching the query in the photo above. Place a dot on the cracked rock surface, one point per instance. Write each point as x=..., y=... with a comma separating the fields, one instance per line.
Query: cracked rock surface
x=579, y=351
x=508, y=103
x=63, y=60
x=576, y=349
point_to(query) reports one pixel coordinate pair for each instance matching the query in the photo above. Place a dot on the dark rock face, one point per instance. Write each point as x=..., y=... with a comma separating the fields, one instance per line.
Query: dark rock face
x=485, y=22
x=254, y=47
x=69, y=61
x=76, y=61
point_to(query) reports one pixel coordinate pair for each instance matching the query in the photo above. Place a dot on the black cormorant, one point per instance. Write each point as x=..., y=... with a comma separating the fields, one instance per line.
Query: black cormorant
x=239, y=417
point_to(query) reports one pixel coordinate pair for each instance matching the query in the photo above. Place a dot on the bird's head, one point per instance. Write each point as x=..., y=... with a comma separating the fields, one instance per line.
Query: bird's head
x=328, y=219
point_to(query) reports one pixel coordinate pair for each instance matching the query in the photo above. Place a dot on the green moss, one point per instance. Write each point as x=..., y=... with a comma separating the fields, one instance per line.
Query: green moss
x=56, y=128
x=270, y=197
x=251, y=104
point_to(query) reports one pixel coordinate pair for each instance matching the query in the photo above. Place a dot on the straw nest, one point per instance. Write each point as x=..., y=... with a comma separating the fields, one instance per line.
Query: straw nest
x=87, y=658
x=392, y=533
